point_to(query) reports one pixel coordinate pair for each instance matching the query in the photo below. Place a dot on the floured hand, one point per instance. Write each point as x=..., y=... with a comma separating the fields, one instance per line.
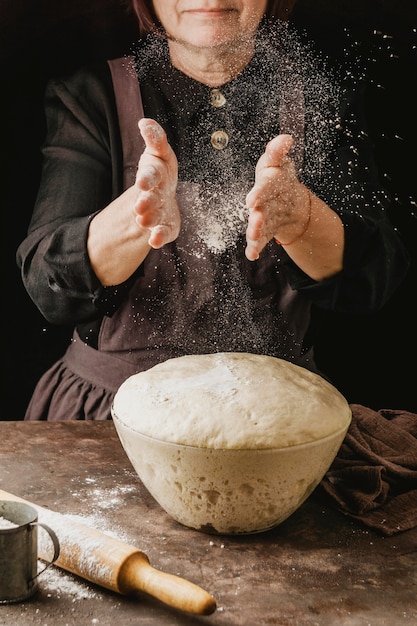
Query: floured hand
x=156, y=206
x=278, y=202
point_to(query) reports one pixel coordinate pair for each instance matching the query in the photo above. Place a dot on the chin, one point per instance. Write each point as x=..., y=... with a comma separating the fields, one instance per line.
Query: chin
x=210, y=38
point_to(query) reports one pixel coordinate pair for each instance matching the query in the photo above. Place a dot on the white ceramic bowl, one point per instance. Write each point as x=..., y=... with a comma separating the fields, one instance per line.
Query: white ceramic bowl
x=228, y=491
x=230, y=442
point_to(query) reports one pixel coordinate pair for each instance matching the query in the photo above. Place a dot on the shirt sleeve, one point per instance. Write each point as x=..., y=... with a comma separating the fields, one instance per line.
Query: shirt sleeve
x=81, y=174
x=375, y=258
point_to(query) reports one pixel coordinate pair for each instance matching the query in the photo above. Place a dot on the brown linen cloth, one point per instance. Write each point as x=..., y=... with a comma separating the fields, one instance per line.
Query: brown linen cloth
x=374, y=476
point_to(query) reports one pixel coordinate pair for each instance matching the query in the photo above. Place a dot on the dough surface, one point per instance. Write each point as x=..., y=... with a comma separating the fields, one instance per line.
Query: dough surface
x=231, y=400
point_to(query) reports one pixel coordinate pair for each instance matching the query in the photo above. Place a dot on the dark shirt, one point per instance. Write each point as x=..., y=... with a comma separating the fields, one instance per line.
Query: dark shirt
x=173, y=304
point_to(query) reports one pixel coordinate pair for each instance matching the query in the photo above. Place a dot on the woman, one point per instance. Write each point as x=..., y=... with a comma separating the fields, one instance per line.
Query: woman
x=255, y=197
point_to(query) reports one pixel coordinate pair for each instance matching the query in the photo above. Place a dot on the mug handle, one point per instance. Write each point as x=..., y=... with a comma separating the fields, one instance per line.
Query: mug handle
x=55, y=542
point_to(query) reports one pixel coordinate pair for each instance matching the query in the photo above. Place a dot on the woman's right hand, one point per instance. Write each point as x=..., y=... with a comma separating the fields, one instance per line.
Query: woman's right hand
x=145, y=216
x=156, y=206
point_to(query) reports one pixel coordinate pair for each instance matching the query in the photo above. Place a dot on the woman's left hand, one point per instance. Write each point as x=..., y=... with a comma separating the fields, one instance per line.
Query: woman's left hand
x=278, y=203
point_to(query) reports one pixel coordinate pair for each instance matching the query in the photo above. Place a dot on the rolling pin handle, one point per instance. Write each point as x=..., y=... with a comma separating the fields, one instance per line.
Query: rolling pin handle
x=137, y=574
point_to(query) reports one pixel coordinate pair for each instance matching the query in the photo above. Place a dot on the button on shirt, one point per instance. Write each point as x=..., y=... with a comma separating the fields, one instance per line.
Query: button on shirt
x=217, y=99
x=219, y=139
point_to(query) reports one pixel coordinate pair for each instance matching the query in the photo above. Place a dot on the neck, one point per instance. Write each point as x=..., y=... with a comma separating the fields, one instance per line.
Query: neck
x=211, y=66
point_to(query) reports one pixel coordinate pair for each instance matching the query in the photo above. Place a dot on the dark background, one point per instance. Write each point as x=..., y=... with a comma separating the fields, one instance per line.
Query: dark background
x=371, y=359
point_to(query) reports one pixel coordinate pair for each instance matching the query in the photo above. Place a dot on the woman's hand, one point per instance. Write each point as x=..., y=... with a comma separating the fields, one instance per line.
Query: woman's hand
x=145, y=216
x=279, y=205
x=282, y=208
x=156, y=181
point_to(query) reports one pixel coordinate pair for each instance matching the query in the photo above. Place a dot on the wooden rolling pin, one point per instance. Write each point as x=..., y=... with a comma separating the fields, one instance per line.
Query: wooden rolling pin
x=115, y=565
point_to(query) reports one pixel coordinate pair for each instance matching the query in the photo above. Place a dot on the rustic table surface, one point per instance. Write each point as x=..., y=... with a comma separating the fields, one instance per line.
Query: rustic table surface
x=317, y=568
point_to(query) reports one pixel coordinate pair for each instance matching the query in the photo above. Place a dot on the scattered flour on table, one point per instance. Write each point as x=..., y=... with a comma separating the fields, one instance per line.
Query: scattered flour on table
x=103, y=499
x=57, y=583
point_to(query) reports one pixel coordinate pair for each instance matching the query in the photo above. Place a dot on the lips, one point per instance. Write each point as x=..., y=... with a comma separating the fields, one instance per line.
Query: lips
x=210, y=11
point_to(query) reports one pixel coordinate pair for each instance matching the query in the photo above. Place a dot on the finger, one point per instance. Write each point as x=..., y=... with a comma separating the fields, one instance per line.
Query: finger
x=156, y=142
x=159, y=236
x=255, y=225
x=251, y=251
x=254, y=248
x=148, y=177
x=265, y=188
x=253, y=198
x=254, y=235
x=146, y=216
x=147, y=207
x=276, y=151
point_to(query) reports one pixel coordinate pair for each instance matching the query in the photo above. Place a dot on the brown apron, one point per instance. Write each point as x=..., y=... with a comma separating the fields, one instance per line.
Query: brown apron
x=184, y=302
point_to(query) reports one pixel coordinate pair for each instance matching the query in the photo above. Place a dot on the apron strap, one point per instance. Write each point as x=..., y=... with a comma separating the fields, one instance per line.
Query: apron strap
x=292, y=111
x=130, y=111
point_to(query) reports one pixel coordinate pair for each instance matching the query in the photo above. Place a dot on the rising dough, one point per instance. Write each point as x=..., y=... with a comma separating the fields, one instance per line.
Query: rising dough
x=231, y=400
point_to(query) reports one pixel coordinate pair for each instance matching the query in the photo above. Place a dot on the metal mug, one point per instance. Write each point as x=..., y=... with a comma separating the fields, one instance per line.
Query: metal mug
x=19, y=551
